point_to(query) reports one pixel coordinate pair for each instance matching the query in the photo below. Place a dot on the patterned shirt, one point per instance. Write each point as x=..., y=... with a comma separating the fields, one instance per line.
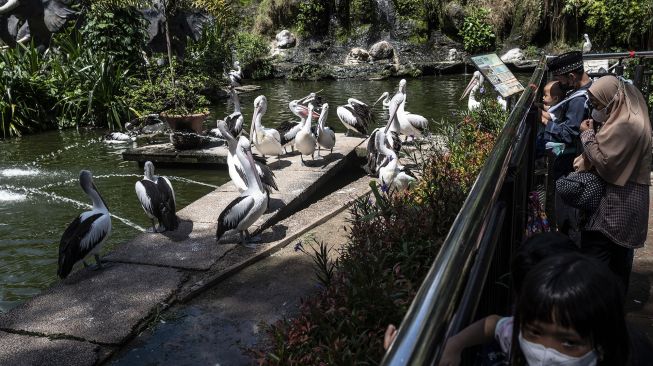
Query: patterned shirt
x=622, y=215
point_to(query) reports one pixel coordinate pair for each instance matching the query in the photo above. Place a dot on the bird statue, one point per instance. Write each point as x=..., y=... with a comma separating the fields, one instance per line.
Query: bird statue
x=243, y=211
x=157, y=198
x=87, y=233
x=587, y=45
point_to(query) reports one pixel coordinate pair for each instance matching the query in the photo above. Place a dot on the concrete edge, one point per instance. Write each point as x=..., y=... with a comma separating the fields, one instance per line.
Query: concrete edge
x=215, y=279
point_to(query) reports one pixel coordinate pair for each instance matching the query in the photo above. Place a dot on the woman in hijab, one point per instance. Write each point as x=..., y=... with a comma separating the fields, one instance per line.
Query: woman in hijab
x=617, y=146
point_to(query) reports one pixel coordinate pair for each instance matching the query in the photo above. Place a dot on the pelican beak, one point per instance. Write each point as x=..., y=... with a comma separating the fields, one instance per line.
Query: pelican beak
x=381, y=97
x=9, y=6
x=308, y=98
x=470, y=86
x=392, y=118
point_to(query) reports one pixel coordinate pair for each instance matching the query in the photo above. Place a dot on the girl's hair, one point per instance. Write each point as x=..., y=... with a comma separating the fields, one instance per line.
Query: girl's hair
x=580, y=293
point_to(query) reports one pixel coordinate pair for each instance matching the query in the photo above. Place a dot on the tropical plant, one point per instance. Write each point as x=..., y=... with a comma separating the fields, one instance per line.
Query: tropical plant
x=312, y=18
x=252, y=52
x=476, y=31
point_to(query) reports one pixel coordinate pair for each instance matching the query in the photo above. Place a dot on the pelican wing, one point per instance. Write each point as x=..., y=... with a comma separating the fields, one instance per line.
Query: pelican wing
x=234, y=123
x=267, y=176
x=288, y=131
x=241, y=173
x=372, y=154
x=148, y=196
x=168, y=203
x=233, y=214
x=347, y=116
x=364, y=113
x=80, y=237
x=417, y=121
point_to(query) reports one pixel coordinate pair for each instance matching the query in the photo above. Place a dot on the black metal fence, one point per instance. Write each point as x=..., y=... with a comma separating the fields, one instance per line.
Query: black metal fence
x=469, y=277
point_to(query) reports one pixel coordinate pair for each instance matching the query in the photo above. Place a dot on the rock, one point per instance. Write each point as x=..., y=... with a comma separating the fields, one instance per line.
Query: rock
x=454, y=17
x=514, y=55
x=381, y=51
x=453, y=55
x=285, y=39
x=357, y=54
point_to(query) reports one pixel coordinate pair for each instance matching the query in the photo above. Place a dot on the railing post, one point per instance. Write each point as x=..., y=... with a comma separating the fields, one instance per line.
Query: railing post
x=638, y=78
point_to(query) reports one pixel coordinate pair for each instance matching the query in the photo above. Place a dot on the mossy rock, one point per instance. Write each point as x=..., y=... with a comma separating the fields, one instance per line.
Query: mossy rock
x=310, y=72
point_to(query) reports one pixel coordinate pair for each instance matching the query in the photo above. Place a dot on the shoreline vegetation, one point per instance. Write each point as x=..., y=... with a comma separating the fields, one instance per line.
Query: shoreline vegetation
x=100, y=71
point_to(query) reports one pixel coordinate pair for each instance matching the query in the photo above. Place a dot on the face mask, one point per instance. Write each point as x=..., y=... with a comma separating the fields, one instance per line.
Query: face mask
x=538, y=355
x=601, y=115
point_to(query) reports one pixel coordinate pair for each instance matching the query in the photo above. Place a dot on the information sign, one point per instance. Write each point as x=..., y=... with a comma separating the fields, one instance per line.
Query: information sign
x=494, y=70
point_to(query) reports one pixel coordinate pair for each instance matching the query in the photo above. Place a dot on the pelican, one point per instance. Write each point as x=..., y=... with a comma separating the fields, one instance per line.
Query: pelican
x=386, y=101
x=236, y=76
x=234, y=120
x=471, y=89
x=236, y=171
x=266, y=140
x=118, y=138
x=157, y=198
x=356, y=116
x=390, y=138
x=288, y=130
x=391, y=175
x=87, y=233
x=305, y=140
x=587, y=46
x=242, y=212
x=326, y=137
x=409, y=124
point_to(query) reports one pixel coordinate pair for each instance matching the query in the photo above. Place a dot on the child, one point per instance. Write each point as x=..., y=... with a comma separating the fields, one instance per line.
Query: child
x=570, y=311
x=551, y=110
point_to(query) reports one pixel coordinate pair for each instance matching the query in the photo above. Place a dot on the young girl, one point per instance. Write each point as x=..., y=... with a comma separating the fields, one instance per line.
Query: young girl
x=570, y=312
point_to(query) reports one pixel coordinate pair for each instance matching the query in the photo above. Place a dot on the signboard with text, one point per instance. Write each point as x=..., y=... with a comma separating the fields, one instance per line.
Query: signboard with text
x=494, y=70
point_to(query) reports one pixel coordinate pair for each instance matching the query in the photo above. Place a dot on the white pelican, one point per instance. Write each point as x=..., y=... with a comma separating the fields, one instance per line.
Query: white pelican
x=266, y=140
x=410, y=124
x=288, y=130
x=157, y=198
x=587, y=46
x=242, y=212
x=326, y=137
x=386, y=101
x=305, y=140
x=391, y=138
x=236, y=76
x=118, y=138
x=87, y=233
x=356, y=116
x=471, y=89
x=391, y=176
x=236, y=170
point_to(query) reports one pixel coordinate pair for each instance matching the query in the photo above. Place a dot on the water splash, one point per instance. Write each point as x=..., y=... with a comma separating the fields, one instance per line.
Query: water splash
x=35, y=191
x=68, y=182
x=17, y=172
x=7, y=196
x=186, y=180
x=52, y=155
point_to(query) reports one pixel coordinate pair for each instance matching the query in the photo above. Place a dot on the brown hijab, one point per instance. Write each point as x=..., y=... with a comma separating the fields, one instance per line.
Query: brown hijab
x=624, y=140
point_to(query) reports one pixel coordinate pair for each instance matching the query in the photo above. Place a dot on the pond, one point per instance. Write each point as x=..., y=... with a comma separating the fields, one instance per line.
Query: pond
x=40, y=194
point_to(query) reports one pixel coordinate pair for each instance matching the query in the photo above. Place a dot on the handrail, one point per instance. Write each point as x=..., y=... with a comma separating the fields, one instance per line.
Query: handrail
x=426, y=322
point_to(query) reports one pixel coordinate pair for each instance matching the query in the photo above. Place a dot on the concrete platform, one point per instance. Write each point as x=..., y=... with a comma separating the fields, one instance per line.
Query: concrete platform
x=166, y=154
x=22, y=350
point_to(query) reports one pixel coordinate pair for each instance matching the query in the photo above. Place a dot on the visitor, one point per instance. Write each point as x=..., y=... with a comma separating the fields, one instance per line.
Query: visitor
x=551, y=110
x=570, y=312
x=617, y=147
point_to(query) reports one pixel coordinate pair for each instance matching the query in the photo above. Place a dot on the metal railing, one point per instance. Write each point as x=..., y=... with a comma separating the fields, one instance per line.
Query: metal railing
x=470, y=264
x=496, y=201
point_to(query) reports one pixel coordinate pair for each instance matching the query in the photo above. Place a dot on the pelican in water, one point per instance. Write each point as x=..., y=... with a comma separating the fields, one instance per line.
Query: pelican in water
x=386, y=101
x=288, y=130
x=305, y=140
x=118, y=138
x=266, y=140
x=356, y=116
x=391, y=176
x=471, y=89
x=236, y=170
x=234, y=120
x=326, y=137
x=157, y=198
x=87, y=233
x=587, y=45
x=390, y=138
x=236, y=76
x=242, y=212
x=409, y=124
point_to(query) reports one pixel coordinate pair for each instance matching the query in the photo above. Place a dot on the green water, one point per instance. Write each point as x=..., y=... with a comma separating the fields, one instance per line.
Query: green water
x=40, y=194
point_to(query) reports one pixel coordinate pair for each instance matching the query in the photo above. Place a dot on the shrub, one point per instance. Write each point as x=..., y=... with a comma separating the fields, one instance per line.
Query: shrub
x=207, y=55
x=476, y=31
x=312, y=18
x=362, y=11
x=392, y=243
x=410, y=8
x=252, y=52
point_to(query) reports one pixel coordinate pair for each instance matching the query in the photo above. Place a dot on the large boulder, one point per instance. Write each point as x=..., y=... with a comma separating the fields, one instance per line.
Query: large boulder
x=454, y=17
x=285, y=39
x=381, y=51
x=513, y=55
x=358, y=54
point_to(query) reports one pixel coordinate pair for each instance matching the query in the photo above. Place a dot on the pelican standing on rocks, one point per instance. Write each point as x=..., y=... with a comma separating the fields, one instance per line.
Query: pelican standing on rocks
x=587, y=46
x=242, y=212
x=236, y=76
x=236, y=170
x=87, y=233
x=326, y=137
x=266, y=140
x=157, y=198
x=391, y=175
x=356, y=116
x=471, y=89
x=305, y=140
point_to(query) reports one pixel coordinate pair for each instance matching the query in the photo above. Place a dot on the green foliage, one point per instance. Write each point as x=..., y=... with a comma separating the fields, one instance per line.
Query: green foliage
x=208, y=54
x=119, y=33
x=392, y=243
x=313, y=18
x=476, y=31
x=252, y=52
x=410, y=8
x=362, y=11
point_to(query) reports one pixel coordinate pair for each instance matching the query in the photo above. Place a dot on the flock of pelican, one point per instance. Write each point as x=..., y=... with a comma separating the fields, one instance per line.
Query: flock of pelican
x=251, y=176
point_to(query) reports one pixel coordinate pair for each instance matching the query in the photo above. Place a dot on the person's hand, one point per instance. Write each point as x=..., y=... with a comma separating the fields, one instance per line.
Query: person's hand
x=545, y=118
x=586, y=125
x=450, y=355
x=390, y=334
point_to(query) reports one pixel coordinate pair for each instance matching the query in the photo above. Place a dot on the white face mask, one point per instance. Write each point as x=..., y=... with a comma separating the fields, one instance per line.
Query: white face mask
x=538, y=355
x=600, y=115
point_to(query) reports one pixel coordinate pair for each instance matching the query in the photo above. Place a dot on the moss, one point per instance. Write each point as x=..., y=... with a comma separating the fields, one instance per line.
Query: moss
x=310, y=72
